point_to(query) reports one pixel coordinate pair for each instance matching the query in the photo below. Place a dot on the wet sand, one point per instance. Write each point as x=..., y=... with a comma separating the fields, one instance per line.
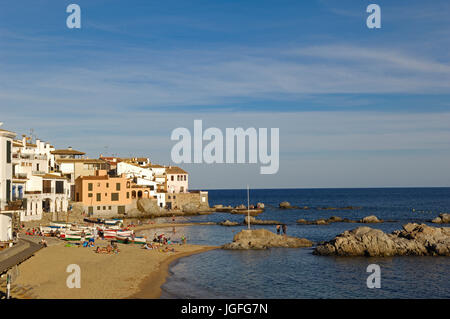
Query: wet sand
x=132, y=273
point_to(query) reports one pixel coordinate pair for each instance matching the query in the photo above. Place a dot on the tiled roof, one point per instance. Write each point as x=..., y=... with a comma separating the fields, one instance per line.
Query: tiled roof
x=67, y=152
x=175, y=170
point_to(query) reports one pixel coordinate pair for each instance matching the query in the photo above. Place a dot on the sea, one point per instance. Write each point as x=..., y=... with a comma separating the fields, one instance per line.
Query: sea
x=296, y=272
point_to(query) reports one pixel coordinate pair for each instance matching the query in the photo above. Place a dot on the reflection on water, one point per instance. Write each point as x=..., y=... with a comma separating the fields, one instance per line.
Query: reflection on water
x=297, y=273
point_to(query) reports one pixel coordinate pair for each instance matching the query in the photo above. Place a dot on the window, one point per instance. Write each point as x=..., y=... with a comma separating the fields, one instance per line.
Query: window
x=98, y=207
x=115, y=197
x=37, y=167
x=59, y=187
x=8, y=190
x=185, y=177
x=8, y=152
x=104, y=207
x=107, y=185
x=90, y=187
x=109, y=207
x=171, y=178
x=90, y=210
x=121, y=209
x=47, y=187
x=99, y=197
x=117, y=186
x=128, y=194
x=98, y=184
x=90, y=195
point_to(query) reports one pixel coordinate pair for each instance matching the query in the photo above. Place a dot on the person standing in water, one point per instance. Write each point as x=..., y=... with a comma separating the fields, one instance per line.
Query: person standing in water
x=284, y=229
x=278, y=229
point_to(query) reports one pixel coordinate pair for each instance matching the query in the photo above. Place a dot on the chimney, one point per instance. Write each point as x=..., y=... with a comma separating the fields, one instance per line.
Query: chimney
x=70, y=148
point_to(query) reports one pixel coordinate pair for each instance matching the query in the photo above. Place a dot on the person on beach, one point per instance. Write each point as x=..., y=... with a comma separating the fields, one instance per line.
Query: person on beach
x=284, y=229
x=43, y=242
x=278, y=229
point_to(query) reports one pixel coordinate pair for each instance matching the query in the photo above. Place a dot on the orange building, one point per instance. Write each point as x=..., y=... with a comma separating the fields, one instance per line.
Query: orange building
x=103, y=195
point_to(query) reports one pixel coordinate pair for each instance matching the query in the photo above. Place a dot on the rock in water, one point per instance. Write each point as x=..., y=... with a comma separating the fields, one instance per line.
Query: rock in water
x=372, y=219
x=228, y=223
x=442, y=219
x=285, y=205
x=254, y=221
x=414, y=240
x=263, y=239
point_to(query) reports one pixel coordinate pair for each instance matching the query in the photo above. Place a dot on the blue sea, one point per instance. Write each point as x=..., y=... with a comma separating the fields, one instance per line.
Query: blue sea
x=297, y=273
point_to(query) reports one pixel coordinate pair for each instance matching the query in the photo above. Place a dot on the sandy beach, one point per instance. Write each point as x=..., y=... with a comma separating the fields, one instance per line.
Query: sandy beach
x=132, y=273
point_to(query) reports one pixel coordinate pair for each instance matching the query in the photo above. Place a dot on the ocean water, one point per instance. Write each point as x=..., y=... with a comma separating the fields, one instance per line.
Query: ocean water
x=297, y=273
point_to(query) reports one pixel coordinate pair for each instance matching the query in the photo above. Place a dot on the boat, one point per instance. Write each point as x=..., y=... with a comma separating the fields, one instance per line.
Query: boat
x=130, y=240
x=140, y=240
x=59, y=225
x=93, y=221
x=70, y=237
x=113, y=221
x=124, y=233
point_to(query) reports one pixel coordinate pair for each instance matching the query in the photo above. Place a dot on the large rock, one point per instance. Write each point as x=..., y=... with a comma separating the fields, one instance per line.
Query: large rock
x=285, y=205
x=229, y=223
x=254, y=221
x=414, y=239
x=135, y=213
x=263, y=239
x=191, y=208
x=442, y=219
x=372, y=219
x=148, y=207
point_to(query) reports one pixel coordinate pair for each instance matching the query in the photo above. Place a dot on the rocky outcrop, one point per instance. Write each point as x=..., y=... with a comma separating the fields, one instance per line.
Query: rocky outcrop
x=254, y=221
x=442, y=219
x=285, y=205
x=251, y=212
x=263, y=239
x=228, y=223
x=148, y=207
x=337, y=219
x=413, y=240
x=372, y=219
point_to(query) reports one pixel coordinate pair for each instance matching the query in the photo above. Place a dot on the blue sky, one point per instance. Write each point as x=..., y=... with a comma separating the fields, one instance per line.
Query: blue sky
x=355, y=107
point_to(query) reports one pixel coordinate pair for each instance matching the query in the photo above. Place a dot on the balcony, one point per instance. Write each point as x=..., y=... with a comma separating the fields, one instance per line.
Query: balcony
x=29, y=156
x=48, y=190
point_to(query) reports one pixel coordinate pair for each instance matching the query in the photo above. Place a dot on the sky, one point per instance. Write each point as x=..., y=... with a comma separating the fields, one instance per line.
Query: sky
x=356, y=107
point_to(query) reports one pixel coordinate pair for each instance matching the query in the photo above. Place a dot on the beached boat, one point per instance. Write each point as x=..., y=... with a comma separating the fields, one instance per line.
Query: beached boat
x=124, y=233
x=59, y=225
x=130, y=240
x=70, y=237
x=113, y=221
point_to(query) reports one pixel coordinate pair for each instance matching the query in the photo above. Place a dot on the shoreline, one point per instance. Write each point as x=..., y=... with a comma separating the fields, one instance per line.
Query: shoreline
x=150, y=287
x=132, y=273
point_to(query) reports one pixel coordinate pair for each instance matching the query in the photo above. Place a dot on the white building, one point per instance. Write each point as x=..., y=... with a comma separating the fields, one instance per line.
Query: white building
x=6, y=216
x=47, y=193
x=132, y=170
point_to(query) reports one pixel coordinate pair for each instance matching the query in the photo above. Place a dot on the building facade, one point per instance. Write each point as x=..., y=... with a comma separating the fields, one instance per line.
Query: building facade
x=103, y=195
x=6, y=215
